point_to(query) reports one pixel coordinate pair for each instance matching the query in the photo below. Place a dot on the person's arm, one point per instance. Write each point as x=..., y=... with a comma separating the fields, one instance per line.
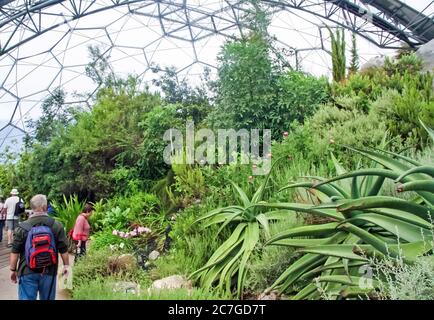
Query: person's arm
x=5, y=208
x=62, y=247
x=65, y=259
x=13, y=262
x=17, y=247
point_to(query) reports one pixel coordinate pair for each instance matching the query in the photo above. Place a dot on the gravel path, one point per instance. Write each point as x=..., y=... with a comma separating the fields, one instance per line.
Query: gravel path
x=9, y=290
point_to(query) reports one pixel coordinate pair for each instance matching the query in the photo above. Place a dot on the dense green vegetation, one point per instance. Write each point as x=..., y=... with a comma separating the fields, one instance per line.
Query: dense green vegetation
x=351, y=185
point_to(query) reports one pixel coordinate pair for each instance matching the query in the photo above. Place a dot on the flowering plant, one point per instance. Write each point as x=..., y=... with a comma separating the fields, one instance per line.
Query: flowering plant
x=134, y=233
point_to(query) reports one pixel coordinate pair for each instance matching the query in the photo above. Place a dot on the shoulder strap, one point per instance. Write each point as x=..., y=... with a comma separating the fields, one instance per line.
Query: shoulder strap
x=50, y=222
x=27, y=226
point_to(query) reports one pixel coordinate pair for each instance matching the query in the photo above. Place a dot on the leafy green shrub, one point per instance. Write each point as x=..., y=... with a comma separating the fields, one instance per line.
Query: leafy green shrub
x=408, y=63
x=298, y=98
x=401, y=113
x=349, y=127
x=189, y=183
x=368, y=86
x=104, y=239
x=358, y=85
x=68, y=211
x=123, y=211
x=95, y=219
x=246, y=85
x=161, y=118
x=217, y=180
x=191, y=246
x=400, y=281
x=92, y=265
x=126, y=180
x=116, y=218
x=138, y=203
x=102, y=289
x=254, y=91
x=99, y=263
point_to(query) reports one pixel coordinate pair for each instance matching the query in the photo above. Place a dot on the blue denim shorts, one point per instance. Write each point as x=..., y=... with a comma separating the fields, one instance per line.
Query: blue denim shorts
x=11, y=224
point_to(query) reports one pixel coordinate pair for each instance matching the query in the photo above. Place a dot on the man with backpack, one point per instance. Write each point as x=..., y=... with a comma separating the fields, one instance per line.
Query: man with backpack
x=34, y=257
x=14, y=207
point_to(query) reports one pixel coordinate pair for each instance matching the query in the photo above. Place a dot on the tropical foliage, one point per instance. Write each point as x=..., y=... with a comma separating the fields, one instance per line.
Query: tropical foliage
x=68, y=211
x=361, y=223
x=351, y=191
x=232, y=256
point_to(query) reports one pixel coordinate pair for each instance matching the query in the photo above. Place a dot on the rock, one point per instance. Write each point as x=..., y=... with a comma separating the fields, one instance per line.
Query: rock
x=376, y=62
x=126, y=287
x=154, y=255
x=172, y=282
x=124, y=262
x=426, y=53
x=273, y=295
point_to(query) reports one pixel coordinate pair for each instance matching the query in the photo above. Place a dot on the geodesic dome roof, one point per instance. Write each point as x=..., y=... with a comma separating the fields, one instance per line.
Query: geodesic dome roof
x=44, y=43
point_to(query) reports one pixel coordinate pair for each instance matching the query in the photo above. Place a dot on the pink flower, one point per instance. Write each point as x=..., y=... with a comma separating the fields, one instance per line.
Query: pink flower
x=143, y=230
x=115, y=232
x=285, y=134
x=121, y=234
x=140, y=229
x=133, y=233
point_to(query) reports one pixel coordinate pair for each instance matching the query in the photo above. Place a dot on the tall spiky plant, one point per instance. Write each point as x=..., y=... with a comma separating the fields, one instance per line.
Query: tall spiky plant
x=338, y=54
x=355, y=59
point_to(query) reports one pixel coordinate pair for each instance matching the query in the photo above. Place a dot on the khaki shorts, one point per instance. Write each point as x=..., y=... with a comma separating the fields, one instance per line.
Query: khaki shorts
x=11, y=224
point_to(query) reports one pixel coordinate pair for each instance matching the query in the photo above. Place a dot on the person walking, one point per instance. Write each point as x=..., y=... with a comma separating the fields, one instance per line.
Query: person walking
x=12, y=217
x=2, y=217
x=34, y=255
x=81, y=230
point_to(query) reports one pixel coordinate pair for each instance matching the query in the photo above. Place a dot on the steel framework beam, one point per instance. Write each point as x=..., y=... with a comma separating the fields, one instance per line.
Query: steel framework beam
x=382, y=28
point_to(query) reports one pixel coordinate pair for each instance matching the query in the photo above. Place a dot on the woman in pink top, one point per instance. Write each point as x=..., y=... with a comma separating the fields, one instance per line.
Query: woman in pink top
x=82, y=229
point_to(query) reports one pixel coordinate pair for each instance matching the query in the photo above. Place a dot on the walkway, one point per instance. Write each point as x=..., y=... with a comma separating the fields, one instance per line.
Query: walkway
x=9, y=290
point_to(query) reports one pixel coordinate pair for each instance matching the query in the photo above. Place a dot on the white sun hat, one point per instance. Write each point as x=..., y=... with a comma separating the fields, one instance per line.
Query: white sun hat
x=14, y=192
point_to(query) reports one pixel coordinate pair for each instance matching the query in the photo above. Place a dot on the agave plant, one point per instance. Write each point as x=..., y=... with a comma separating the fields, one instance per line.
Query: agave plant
x=249, y=221
x=361, y=224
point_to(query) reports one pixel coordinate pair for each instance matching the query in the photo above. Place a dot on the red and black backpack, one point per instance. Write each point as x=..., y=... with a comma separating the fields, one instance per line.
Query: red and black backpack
x=40, y=247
